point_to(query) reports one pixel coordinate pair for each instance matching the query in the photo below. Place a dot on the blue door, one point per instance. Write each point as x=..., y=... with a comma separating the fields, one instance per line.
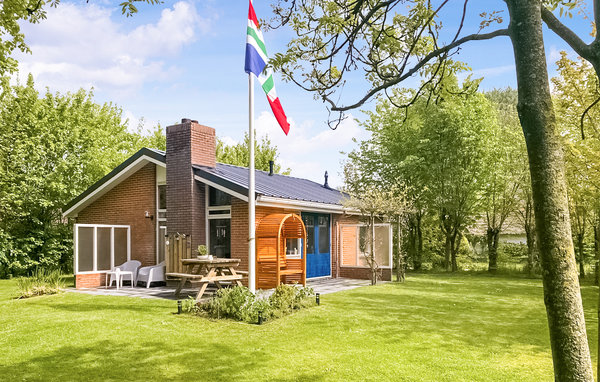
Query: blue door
x=318, y=248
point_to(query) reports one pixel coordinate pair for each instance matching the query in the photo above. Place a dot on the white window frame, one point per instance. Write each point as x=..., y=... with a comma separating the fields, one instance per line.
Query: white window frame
x=95, y=248
x=159, y=219
x=210, y=217
x=358, y=254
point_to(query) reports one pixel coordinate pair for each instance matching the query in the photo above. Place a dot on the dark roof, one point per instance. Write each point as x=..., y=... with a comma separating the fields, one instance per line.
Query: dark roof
x=235, y=178
x=279, y=186
x=152, y=153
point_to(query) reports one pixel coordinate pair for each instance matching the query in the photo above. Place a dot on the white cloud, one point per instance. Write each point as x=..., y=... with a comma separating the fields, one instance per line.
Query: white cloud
x=135, y=123
x=311, y=150
x=490, y=72
x=82, y=46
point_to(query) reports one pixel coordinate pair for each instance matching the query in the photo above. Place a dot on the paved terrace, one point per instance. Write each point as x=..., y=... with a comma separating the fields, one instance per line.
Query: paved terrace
x=322, y=286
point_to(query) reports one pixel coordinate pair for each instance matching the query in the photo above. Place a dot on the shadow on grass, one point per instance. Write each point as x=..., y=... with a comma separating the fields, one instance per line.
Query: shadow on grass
x=146, y=360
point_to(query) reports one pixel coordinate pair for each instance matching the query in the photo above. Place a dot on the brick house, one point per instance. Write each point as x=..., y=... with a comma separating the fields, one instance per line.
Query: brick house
x=128, y=213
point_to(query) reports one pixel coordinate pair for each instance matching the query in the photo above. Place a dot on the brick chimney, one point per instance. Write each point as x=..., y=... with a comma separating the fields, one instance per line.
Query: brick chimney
x=188, y=143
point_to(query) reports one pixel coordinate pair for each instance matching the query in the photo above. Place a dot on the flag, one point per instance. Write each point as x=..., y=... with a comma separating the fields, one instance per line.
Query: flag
x=256, y=63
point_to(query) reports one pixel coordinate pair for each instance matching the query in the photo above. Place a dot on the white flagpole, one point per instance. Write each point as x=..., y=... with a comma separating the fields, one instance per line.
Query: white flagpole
x=251, y=201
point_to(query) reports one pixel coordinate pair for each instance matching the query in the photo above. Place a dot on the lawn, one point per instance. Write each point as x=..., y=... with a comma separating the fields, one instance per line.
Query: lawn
x=432, y=328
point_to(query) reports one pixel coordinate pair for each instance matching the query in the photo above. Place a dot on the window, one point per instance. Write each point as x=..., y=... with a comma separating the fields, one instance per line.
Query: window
x=162, y=197
x=324, y=234
x=220, y=238
x=100, y=247
x=309, y=223
x=293, y=248
x=218, y=198
x=356, y=245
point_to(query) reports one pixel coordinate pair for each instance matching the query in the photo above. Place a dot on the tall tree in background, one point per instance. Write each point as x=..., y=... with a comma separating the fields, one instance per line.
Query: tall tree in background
x=51, y=149
x=506, y=170
x=455, y=147
x=391, y=41
x=576, y=97
x=238, y=155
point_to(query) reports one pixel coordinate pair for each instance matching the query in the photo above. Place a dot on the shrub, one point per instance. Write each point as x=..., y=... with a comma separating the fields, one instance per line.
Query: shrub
x=240, y=304
x=41, y=282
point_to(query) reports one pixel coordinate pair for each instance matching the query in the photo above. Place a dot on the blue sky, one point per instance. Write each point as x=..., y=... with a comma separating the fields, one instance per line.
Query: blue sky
x=185, y=59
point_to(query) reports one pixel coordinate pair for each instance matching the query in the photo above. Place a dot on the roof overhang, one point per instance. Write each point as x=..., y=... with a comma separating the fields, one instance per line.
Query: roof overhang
x=113, y=178
x=269, y=201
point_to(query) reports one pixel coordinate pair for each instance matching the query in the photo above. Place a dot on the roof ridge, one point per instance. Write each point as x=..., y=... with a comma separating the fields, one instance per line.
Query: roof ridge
x=266, y=172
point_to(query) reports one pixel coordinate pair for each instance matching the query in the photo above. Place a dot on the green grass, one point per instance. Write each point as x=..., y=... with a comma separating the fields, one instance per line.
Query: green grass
x=432, y=328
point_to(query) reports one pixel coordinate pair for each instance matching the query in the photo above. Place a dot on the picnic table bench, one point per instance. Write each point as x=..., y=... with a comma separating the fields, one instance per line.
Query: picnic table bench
x=204, y=271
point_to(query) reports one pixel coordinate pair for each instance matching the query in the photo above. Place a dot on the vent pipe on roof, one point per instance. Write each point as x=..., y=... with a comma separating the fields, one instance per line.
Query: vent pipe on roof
x=271, y=163
x=326, y=185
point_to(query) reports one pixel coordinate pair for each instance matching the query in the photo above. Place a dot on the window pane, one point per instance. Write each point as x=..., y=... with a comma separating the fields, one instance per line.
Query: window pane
x=309, y=223
x=103, y=248
x=382, y=246
x=85, y=249
x=323, y=234
x=120, y=246
x=162, y=197
x=161, y=243
x=293, y=247
x=218, y=198
x=219, y=212
x=220, y=238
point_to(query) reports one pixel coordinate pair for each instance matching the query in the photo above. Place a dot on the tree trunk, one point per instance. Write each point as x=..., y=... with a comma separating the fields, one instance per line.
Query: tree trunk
x=570, y=350
x=492, y=243
x=456, y=239
x=419, y=246
x=373, y=264
x=412, y=244
x=580, y=255
x=400, y=272
x=447, y=252
x=531, y=261
x=597, y=256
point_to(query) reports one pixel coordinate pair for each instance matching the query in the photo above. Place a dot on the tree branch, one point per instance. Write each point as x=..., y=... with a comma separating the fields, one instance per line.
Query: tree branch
x=418, y=65
x=567, y=34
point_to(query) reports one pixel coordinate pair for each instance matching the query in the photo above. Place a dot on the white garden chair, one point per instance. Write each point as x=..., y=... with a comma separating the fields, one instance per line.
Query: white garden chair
x=128, y=269
x=151, y=274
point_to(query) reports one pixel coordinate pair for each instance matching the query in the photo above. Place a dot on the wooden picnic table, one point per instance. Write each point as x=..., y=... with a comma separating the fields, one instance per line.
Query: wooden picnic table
x=205, y=271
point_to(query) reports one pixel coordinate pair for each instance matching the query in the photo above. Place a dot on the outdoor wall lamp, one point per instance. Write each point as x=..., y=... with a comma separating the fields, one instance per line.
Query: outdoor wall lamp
x=148, y=216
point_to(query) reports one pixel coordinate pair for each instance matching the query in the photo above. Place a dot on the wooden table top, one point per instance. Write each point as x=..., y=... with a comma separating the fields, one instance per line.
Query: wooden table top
x=215, y=261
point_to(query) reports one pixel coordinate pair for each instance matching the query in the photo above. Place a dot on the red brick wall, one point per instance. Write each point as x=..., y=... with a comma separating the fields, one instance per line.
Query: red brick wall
x=125, y=204
x=239, y=228
x=188, y=143
x=90, y=280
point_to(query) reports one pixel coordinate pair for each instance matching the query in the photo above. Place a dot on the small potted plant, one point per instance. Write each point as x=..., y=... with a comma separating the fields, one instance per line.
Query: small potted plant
x=202, y=252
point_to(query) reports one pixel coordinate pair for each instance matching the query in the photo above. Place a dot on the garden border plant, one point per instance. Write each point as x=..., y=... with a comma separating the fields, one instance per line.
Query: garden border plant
x=40, y=282
x=239, y=304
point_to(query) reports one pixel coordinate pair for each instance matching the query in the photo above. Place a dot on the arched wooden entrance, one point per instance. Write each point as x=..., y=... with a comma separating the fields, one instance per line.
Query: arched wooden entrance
x=280, y=258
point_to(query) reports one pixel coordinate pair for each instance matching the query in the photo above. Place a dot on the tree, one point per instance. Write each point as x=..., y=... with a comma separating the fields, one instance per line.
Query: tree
x=238, y=154
x=455, y=148
x=390, y=158
x=374, y=205
x=51, y=149
x=391, y=41
x=506, y=170
x=576, y=97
